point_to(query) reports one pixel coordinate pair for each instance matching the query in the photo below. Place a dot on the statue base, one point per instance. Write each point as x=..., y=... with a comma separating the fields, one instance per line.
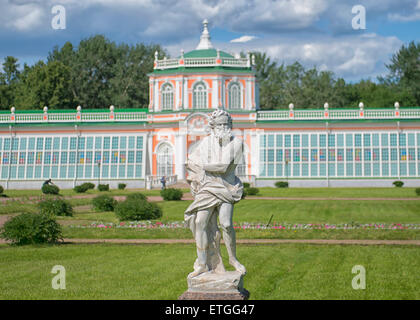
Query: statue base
x=216, y=286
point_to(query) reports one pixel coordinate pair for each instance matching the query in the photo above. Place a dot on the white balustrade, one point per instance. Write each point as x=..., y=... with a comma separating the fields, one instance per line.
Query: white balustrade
x=154, y=181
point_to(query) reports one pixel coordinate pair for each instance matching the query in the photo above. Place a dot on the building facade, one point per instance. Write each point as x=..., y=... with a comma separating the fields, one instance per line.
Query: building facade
x=322, y=147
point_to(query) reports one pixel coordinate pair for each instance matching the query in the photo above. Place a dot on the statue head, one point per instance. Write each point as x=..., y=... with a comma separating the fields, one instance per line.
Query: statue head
x=221, y=125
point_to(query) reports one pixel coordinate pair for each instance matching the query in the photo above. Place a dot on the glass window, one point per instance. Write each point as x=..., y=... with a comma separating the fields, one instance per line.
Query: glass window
x=349, y=169
x=349, y=154
x=6, y=145
x=305, y=156
x=331, y=155
x=358, y=140
x=139, y=143
x=314, y=155
x=403, y=139
x=200, y=96
x=384, y=139
x=393, y=139
x=366, y=140
x=368, y=168
x=322, y=140
x=234, y=96
x=340, y=140
x=47, y=158
x=107, y=142
x=123, y=142
x=296, y=155
x=296, y=141
x=322, y=154
x=167, y=96
x=279, y=155
x=375, y=140
x=15, y=143
x=331, y=140
x=115, y=143
x=48, y=143
x=349, y=140
x=63, y=158
x=131, y=141
x=340, y=155
x=270, y=155
x=403, y=154
x=139, y=156
x=114, y=157
x=287, y=141
x=56, y=143
x=105, y=157
x=394, y=154
x=81, y=157
x=23, y=142
x=22, y=157
x=31, y=157
x=123, y=157
x=367, y=156
x=98, y=143
x=314, y=142
x=31, y=144
x=73, y=143
x=64, y=143
x=72, y=157
x=305, y=139
x=375, y=154
x=411, y=154
x=385, y=154
x=55, y=157
x=411, y=139
x=358, y=154
x=130, y=156
x=89, y=156
x=89, y=143
x=81, y=143
x=39, y=143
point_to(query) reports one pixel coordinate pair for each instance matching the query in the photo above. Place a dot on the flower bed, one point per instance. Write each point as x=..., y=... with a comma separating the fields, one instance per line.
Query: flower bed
x=256, y=226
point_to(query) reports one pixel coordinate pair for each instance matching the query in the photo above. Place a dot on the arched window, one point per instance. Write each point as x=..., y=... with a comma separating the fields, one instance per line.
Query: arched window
x=167, y=97
x=200, y=96
x=164, y=160
x=241, y=168
x=234, y=96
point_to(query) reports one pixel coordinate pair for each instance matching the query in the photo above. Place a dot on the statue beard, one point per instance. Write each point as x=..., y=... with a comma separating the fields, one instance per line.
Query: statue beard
x=223, y=136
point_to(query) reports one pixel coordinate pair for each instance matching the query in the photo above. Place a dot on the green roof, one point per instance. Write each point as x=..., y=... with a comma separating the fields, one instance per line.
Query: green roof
x=206, y=53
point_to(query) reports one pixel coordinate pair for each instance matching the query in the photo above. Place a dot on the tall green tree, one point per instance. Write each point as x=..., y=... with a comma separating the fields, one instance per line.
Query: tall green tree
x=405, y=69
x=9, y=80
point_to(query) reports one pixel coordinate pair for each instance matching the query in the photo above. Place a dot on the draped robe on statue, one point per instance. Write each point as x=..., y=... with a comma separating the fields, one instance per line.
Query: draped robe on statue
x=211, y=189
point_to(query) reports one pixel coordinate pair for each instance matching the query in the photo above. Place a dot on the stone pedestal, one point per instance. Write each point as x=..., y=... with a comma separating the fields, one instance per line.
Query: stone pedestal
x=216, y=286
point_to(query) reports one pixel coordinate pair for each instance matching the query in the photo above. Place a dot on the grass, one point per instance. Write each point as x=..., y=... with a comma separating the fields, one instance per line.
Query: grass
x=274, y=271
x=338, y=192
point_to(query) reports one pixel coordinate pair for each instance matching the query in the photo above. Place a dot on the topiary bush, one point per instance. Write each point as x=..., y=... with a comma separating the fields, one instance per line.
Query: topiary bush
x=104, y=203
x=80, y=189
x=56, y=206
x=1, y=190
x=103, y=187
x=282, y=184
x=398, y=184
x=252, y=191
x=121, y=186
x=417, y=191
x=88, y=185
x=50, y=189
x=137, y=210
x=30, y=228
x=136, y=196
x=246, y=185
x=171, y=194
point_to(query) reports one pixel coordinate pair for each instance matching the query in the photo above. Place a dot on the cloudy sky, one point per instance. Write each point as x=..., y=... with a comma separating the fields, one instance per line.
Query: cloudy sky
x=314, y=32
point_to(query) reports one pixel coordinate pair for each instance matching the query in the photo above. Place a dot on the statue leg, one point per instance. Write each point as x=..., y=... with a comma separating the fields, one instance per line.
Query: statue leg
x=201, y=239
x=229, y=236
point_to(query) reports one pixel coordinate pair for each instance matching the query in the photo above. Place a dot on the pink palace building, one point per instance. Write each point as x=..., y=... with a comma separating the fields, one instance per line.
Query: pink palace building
x=323, y=147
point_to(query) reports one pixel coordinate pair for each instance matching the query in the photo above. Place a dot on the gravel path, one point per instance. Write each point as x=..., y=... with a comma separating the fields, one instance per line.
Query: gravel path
x=246, y=241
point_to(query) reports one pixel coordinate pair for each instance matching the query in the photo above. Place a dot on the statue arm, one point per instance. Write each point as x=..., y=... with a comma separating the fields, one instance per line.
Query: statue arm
x=216, y=167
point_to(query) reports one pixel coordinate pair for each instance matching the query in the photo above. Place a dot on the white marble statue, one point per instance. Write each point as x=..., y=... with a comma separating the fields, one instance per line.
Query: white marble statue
x=215, y=188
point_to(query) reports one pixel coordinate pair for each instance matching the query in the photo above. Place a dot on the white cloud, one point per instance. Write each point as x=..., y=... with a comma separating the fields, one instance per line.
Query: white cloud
x=243, y=39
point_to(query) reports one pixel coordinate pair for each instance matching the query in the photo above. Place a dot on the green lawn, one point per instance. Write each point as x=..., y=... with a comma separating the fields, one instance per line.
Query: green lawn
x=339, y=192
x=274, y=271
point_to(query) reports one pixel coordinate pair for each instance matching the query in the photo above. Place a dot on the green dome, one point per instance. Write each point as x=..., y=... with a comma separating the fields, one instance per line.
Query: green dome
x=206, y=53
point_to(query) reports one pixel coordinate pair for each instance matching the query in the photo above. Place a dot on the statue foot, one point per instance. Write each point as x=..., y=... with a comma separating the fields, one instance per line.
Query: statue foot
x=238, y=267
x=199, y=269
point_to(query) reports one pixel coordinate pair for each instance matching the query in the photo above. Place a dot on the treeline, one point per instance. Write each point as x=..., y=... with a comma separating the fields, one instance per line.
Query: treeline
x=311, y=88
x=99, y=72
x=96, y=74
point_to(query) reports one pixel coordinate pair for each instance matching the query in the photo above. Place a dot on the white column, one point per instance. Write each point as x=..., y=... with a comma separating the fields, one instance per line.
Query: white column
x=254, y=150
x=248, y=95
x=156, y=92
x=185, y=92
x=215, y=93
x=180, y=153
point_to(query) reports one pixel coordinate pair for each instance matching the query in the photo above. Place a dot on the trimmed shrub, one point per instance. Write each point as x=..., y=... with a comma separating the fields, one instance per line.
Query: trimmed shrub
x=418, y=191
x=80, y=189
x=252, y=191
x=50, y=189
x=56, y=206
x=246, y=185
x=88, y=185
x=121, y=186
x=136, y=196
x=130, y=210
x=103, y=187
x=1, y=190
x=171, y=194
x=282, y=184
x=244, y=193
x=104, y=203
x=398, y=184
x=30, y=228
